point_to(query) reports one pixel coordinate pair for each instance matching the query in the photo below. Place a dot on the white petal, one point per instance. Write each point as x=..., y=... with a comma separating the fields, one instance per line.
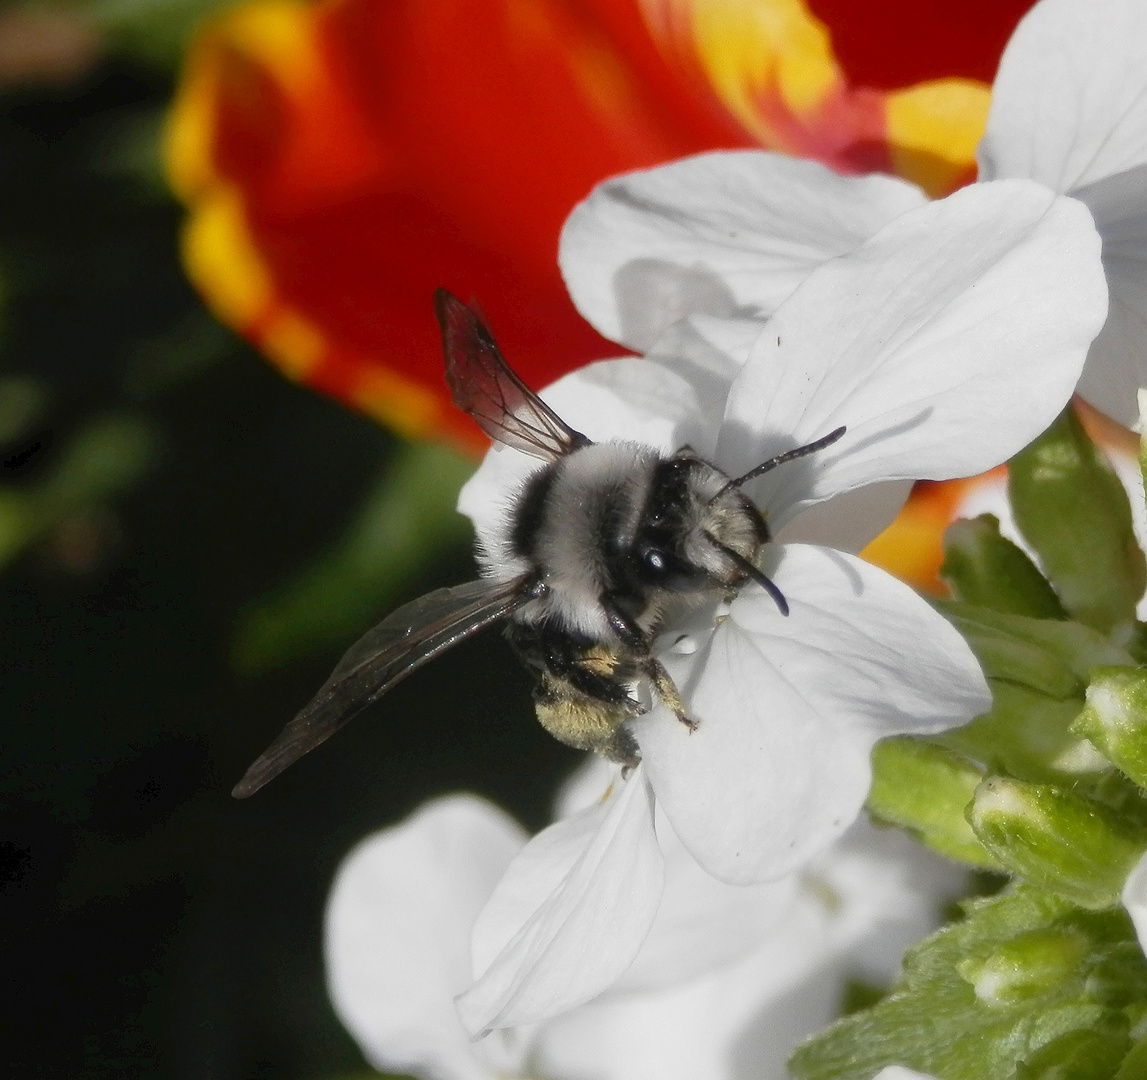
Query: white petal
x=901, y=1072
x=570, y=914
x=921, y=342
x=1117, y=364
x=704, y=924
x=789, y=709
x=887, y=891
x=1069, y=104
x=722, y=234
x=1135, y=900
x=849, y=521
x=708, y=353
x=586, y=787
x=701, y=923
x=632, y=398
x=739, y=1022
x=875, y=890
x=397, y=938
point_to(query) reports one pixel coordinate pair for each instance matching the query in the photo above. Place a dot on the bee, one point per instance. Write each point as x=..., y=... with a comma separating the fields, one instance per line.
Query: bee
x=603, y=544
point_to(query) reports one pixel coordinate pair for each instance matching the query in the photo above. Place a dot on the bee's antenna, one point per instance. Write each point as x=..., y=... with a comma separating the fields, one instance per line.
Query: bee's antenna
x=780, y=459
x=759, y=576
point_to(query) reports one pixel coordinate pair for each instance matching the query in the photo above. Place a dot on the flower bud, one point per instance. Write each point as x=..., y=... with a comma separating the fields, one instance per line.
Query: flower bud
x=1114, y=719
x=1056, y=839
x=926, y=789
x=1029, y=965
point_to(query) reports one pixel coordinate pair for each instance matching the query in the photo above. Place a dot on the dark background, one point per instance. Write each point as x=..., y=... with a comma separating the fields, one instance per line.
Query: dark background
x=152, y=925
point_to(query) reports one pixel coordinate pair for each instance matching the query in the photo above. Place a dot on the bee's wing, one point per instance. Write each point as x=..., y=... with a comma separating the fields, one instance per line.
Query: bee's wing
x=482, y=384
x=400, y=644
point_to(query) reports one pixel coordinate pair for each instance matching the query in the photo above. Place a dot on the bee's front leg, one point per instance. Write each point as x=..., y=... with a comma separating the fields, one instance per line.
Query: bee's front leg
x=666, y=690
x=622, y=624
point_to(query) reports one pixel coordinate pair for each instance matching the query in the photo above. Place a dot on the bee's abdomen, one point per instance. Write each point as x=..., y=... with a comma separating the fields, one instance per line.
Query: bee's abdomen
x=593, y=668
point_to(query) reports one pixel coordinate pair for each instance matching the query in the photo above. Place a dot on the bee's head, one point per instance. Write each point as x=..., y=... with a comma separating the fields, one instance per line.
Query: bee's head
x=693, y=519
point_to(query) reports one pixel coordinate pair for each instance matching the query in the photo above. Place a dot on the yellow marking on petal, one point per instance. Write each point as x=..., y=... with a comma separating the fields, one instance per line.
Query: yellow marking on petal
x=223, y=262
x=279, y=35
x=933, y=130
x=750, y=48
x=402, y=405
x=189, y=129
x=295, y=345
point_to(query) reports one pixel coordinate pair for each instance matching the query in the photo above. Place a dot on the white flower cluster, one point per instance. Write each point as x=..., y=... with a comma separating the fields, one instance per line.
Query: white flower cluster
x=697, y=917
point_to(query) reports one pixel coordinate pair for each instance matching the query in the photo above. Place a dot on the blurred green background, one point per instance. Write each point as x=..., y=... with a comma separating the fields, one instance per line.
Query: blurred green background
x=187, y=543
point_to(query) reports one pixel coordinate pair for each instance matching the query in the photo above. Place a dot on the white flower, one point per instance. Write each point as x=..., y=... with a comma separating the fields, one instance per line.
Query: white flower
x=1069, y=109
x=734, y=233
x=944, y=343
x=719, y=1005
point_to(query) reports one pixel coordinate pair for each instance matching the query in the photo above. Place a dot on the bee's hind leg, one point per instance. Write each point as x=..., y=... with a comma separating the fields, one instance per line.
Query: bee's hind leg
x=666, y=689
x=623, y=749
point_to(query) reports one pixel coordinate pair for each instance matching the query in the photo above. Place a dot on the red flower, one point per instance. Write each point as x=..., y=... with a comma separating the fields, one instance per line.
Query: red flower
x=341, y=160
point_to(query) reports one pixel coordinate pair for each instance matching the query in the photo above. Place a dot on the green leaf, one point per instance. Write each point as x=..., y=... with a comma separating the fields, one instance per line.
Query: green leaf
x=1134, y=1065
x=23, y=400
x=156, y=32
x=1136, y=643
x=106, y=458
x=1051, y=656
x=1080, y=1055
x=962, y=1027
x=21, y=523
x=925, y=789
x=407, y=521
x=1027, y=734
x=1073, y=511
x=983, y=568
x=1057, y=839
x=1038, y=671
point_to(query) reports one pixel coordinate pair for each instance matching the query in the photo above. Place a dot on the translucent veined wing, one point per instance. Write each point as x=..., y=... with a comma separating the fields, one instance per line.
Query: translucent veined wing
x=400, y=644
x=482, y=385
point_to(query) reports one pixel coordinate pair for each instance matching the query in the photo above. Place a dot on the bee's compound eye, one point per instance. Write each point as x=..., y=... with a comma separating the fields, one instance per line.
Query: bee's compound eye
x=667, y=570
x=656, y=562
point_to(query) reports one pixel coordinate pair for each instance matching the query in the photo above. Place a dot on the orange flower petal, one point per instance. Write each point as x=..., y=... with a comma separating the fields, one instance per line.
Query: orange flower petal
x=911, y=547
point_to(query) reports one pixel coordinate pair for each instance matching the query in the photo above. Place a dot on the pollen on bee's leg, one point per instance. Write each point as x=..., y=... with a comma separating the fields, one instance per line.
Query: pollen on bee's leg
x=623, y=749
x=667, y=691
